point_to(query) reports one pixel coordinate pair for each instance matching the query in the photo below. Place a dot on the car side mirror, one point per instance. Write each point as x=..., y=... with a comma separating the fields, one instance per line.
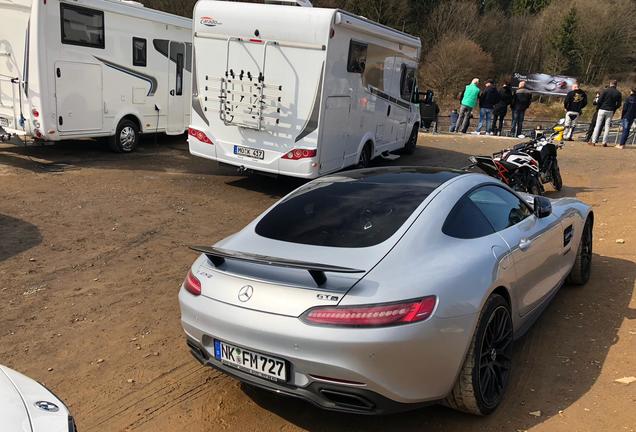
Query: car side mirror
x=542, y=207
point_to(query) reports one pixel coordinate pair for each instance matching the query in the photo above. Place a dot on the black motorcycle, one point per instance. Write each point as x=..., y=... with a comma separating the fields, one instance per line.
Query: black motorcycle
x=514, y=167
x=527, y=166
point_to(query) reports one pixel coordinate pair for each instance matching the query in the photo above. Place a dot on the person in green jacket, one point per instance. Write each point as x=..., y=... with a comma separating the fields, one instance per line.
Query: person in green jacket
x=469, y=101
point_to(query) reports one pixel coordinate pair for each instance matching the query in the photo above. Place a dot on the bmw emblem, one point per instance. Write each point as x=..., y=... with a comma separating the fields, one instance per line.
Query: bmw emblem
x=245, y=293
x=47, y=406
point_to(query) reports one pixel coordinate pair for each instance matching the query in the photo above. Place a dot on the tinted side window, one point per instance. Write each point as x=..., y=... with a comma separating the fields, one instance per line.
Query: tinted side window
x=139, y=52
x=407, y=83
x=502, y=208
x=82, y=26
x=466, y=221
x=357, y=57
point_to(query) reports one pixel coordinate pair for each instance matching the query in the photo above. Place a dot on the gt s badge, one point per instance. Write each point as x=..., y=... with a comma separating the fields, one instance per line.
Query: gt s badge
x=327, y=297
x=210, y=21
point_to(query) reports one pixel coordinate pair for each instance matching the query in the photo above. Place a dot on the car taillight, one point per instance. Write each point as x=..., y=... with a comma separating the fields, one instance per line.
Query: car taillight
x=192, y=284
x=297, y=154
x=199, y=135
x=372, y=315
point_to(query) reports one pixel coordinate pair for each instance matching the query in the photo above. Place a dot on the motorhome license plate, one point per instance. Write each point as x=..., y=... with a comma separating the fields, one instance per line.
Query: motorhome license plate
x=249, y=152
x=4, y=122
x=250, y=361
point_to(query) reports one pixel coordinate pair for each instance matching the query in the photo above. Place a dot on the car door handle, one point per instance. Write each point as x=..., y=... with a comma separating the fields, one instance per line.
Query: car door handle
x=525, y=244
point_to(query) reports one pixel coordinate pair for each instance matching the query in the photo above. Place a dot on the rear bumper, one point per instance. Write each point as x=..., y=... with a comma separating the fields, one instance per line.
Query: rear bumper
x=324, y=395
x=394, y=368
x=272, y=164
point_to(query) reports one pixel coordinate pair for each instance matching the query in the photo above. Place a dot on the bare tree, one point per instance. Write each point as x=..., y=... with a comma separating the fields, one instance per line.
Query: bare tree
x=452, y=62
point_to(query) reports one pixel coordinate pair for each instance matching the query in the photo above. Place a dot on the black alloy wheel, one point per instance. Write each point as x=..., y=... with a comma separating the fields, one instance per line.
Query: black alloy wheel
x=582, y=268
x=495, y=357
x=365, y=157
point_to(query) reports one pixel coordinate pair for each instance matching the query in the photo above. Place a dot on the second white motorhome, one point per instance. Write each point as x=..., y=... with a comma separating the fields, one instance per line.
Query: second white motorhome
x=299, y=91
x=93, y=68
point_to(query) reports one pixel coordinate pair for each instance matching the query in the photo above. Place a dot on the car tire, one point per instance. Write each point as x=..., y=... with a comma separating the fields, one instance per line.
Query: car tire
x=409, y=146
x=484, y=376
x=582, y=268
x=126, y=137
x=365, y=157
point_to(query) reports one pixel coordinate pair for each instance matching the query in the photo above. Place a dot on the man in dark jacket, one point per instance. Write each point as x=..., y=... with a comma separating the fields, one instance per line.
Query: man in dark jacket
x=574, y=103
x=520, y=103
x=501, y=108
x=608, y=103
x=488, y=97
x=627, y=119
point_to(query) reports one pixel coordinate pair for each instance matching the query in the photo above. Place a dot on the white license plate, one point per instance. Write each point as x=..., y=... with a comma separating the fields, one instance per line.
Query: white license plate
x=249, y=152
x=4, y=122
x=250, y=361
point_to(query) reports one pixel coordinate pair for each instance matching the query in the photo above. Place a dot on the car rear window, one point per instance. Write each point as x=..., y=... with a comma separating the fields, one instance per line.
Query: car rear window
x=344, y=212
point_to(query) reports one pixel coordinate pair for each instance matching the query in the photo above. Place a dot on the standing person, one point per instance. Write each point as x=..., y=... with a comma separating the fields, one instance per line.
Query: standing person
x=590, y=129
x=487, y=100
x=453, y=120
x=469, y=100
x=608, y=103
x=574, y=102
x=629, y=114
x=521, y=101
x=501, y=108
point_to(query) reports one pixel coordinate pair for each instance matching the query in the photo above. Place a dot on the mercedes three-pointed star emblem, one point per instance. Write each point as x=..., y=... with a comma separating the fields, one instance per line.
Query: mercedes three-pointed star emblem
x=245, y=293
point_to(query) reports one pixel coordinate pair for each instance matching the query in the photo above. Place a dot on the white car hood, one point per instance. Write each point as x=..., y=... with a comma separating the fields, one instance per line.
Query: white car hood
x=13, y=412
x=19, y=396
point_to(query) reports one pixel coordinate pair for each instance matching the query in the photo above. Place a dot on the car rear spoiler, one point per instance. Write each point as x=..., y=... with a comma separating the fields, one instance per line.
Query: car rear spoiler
x=317, y=271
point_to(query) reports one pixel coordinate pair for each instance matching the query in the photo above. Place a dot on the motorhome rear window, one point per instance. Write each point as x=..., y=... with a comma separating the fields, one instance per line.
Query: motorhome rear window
x=82, y=26
x=345, y=212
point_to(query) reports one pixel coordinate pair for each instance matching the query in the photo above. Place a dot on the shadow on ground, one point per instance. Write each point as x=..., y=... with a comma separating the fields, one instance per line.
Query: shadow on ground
x=16, y=236
x=547, y=361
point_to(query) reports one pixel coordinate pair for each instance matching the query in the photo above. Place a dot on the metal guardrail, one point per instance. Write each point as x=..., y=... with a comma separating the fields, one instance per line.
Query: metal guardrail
x=616, y=129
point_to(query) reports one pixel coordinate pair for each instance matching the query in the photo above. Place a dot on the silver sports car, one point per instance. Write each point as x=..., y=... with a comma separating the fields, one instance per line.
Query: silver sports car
x=383, y=289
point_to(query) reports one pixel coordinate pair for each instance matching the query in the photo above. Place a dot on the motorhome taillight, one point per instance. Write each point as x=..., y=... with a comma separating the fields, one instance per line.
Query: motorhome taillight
x=199, y=135
x=35, y=113
x=256, y=41
x=297, y=154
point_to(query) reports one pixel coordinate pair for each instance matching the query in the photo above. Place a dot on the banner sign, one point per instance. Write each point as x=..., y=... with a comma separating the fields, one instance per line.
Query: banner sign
x=553, y=85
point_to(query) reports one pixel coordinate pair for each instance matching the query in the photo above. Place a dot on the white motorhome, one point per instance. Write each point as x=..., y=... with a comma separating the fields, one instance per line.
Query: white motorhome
x=93, y=68
x=299, y=91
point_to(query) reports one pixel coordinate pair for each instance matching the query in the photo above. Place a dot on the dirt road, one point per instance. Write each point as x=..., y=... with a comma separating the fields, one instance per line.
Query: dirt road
x=93, y=249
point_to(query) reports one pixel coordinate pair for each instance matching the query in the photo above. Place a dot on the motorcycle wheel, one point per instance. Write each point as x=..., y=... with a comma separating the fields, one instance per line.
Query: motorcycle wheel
x=557, y=181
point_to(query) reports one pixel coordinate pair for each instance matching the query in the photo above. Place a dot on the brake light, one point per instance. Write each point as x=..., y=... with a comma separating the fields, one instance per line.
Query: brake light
x=192, y=284
x=297, y=154
x=372, y=315
x=35, y=113
x=199, y=135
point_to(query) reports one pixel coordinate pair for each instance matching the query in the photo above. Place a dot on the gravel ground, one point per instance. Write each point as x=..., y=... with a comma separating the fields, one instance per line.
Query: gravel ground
x=93, y=249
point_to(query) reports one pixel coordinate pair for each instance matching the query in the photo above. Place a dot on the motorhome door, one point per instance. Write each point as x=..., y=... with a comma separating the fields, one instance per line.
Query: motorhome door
x=178, y=88
x=78, y=94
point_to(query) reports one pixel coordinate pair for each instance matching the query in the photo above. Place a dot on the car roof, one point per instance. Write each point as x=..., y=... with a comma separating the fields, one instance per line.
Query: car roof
x=431, y=177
